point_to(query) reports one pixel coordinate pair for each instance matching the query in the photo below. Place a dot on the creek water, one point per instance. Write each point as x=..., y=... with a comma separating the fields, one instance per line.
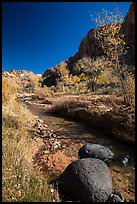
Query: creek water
x=124, y=155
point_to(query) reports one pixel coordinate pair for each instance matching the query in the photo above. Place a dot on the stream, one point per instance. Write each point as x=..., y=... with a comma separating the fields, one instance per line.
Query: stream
x=124, y=155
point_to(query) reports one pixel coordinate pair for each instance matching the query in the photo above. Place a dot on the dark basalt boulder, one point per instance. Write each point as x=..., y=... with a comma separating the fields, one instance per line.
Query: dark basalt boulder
x=90, y=150
x=86, y=180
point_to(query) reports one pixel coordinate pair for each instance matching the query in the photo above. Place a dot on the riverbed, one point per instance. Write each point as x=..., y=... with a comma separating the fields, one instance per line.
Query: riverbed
x=124, y=160
x=77, y=133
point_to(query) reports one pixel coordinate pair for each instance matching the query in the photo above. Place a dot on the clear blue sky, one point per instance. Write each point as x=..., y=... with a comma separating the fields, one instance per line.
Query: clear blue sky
x=39, y=35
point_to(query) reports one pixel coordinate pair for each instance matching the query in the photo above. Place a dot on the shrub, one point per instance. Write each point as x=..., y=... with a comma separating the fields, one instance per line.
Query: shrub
x=34, y=79
x=8, y=90
x=43, y=91
x=130, y=89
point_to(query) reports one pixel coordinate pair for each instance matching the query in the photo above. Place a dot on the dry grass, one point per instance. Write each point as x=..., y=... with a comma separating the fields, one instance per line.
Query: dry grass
x=130, y=89
x=41, y=92
x=20, y=181
x=8, y=90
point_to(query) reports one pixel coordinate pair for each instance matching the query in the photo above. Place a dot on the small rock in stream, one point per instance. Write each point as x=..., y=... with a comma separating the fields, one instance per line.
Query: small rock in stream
x=91, y=150
x=125, y=160
x=116, y=196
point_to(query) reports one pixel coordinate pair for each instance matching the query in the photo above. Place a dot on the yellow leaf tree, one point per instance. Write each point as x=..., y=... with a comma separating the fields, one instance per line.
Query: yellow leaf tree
x=91, y=69
x=112, y=42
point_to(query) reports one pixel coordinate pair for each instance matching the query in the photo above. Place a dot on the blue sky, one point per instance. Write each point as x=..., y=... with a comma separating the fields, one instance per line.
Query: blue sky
x=39, y=35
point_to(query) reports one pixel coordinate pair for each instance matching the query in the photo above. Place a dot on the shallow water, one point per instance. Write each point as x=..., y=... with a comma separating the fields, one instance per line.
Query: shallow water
x=124, y=155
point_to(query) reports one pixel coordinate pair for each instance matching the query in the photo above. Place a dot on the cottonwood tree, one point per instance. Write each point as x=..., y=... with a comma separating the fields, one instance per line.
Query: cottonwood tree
x=112, y=42
x=91, y=69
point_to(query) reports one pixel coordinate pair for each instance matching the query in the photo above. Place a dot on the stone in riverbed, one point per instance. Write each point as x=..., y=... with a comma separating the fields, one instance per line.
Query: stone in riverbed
x=116, y=196
x=91, y=150
x=86, y=180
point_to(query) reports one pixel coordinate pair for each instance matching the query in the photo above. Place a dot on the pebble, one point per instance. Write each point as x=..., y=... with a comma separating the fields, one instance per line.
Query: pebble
x=115, y=198
x=125, y=160
x=131, y=200
x=55, y=145
x=54, y=135
x=46, y=152
x=36, y=124
x=45, y=135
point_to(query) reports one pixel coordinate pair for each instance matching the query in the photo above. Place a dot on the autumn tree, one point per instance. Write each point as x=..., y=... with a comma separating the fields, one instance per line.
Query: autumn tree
x=91, y=69
x=112, y=42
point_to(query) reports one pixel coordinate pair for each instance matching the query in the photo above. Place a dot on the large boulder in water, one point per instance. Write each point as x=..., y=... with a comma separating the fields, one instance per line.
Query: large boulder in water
x=86, y=180
x=91, y=150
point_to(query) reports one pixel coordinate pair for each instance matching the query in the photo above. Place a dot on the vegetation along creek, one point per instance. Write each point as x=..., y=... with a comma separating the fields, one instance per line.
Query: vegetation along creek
x=80, y=132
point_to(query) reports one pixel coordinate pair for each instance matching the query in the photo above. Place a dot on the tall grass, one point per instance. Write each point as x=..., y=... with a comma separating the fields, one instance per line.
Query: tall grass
x=20, y=181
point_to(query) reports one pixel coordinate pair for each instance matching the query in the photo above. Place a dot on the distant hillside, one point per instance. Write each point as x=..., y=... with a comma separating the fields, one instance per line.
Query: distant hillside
x=23, y=79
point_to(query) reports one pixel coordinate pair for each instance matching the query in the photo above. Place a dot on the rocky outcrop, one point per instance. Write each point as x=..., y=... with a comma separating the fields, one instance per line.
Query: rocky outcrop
x=25, y=80
x=90, y=150
x=90, y=47
x=53, y=76
x=128, y=29
x=71, y=63
x=87, y=180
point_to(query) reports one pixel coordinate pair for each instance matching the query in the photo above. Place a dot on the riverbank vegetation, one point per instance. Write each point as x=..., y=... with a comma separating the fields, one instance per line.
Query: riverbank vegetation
x=20, y=181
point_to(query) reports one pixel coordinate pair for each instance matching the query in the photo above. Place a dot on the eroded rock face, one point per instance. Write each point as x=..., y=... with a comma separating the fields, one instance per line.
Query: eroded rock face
x=90, y=150
x=71, y=63
x=90, y=46
x=51, y=77
x=86, y=180
x=128, y=29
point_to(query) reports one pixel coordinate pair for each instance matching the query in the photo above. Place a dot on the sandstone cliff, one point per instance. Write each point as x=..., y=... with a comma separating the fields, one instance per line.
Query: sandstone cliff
x=89, y=46
x=128, y=29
